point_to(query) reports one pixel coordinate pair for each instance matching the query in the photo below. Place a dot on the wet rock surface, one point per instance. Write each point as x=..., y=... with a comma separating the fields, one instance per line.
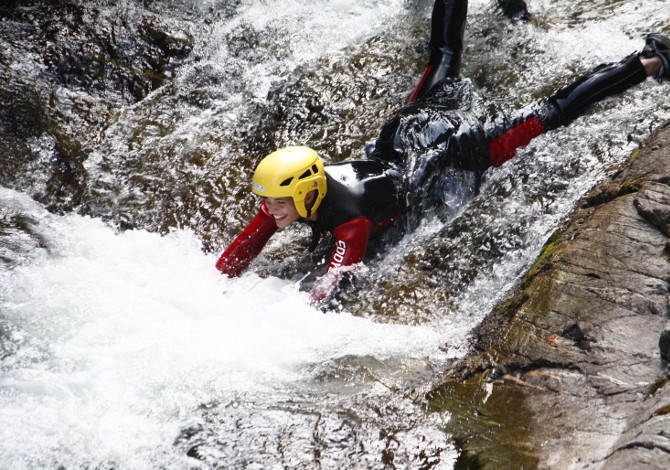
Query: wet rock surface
x=65, y=69
x=571, y=372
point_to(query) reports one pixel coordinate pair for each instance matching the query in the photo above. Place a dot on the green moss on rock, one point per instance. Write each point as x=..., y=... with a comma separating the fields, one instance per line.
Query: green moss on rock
x=657, y=385
x=541, y=263
x=630, y=186
x=662, y=411
x=491, y=426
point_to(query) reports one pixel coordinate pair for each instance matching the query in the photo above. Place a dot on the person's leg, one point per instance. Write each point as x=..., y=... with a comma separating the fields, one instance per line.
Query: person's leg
x=572, y=101
x=603, y=81
x=446, y=44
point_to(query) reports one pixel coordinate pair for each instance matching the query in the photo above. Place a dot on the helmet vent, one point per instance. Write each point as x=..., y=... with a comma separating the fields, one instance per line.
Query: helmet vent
x=286, y=182
x=305, y=174
x=315, y=169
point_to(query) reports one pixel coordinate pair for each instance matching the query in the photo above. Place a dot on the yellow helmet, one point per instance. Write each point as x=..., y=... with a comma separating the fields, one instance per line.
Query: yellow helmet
x=291, y=172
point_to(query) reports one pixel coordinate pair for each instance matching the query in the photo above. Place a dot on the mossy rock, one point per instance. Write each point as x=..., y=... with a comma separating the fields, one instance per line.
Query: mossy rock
x=491, y=425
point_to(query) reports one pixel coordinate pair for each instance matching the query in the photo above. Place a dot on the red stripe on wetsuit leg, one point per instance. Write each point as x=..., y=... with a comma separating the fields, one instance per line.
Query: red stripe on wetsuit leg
x=248, y=244
x=504, y=147
x=418, y=88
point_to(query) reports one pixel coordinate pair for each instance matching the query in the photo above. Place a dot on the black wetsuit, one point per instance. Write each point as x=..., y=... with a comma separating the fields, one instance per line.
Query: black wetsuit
x=370, y=189
x=437, y=132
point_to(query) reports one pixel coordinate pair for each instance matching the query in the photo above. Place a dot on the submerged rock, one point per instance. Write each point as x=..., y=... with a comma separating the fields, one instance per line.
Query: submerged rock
x=571, y=371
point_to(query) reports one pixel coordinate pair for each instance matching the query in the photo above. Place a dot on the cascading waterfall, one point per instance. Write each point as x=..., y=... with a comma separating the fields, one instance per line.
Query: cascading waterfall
x=122, y=347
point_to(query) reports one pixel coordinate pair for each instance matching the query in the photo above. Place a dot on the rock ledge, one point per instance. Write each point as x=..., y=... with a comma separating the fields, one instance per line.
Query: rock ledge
x=571, y=372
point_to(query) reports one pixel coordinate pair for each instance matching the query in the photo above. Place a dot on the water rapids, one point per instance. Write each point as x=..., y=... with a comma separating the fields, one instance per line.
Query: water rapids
x=128, y=130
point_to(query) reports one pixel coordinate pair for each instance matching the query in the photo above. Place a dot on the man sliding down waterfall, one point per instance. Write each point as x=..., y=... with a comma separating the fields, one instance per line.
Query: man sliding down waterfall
x=435, y=133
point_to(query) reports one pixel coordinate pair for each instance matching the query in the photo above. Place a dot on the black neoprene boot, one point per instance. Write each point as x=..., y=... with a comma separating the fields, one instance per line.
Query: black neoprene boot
x=658, y=45
x=515, y=10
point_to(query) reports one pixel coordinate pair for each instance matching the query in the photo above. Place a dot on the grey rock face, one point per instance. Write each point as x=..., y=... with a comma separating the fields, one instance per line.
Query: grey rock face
x=580, y=351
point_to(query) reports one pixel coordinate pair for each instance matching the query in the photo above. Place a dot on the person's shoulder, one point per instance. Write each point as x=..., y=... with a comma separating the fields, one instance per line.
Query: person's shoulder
x=350, y=171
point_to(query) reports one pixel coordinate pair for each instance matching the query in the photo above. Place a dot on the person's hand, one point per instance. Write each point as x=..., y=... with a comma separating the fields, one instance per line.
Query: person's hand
x=328, y=291
x=323, y=288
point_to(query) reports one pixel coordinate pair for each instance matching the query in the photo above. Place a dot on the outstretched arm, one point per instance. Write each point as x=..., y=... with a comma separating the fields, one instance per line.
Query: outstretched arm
x=351, y=241
x=248, y=244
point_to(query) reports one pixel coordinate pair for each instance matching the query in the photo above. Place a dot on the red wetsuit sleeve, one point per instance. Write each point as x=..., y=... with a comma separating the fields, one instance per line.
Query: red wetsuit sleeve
x=504, y=147
x=248, y=244
x=351, y=241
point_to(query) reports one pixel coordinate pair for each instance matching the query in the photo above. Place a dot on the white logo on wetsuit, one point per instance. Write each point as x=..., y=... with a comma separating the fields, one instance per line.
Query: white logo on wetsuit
x=338, y=256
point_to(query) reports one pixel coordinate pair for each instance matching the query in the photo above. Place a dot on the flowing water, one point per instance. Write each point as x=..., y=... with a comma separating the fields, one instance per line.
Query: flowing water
x=128, y=131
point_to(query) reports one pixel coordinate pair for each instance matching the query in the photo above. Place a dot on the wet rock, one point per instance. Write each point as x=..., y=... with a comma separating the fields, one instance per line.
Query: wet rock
x=515, y=10
x=654, y=205
x=572, y=368
x=65, y=69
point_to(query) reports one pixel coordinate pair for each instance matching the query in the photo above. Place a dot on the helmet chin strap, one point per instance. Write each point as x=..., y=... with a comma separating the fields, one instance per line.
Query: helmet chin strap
x=311, y=203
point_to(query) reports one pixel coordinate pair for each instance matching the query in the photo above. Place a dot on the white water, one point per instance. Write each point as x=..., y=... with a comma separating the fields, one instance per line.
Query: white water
x=115, y=340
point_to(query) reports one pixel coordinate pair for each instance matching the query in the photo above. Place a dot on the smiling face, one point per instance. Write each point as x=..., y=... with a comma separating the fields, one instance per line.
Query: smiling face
x=284, y=211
